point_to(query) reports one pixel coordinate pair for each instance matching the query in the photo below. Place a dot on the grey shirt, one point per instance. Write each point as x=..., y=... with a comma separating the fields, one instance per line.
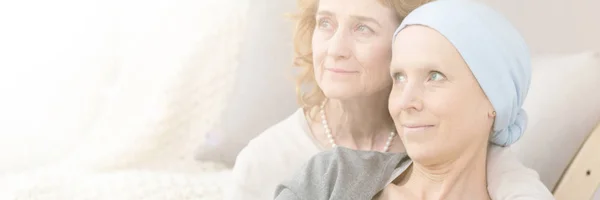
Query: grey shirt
x=343, y=174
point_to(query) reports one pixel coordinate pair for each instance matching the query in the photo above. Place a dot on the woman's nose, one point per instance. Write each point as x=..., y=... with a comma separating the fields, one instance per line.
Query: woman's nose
x=408, y=98
x=339, y=45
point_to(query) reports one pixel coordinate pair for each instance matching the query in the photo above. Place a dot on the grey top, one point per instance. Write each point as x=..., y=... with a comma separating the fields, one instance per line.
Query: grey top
x=343, y=174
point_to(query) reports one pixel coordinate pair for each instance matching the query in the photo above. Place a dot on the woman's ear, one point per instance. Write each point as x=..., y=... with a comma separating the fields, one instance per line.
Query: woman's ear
x=492, y=114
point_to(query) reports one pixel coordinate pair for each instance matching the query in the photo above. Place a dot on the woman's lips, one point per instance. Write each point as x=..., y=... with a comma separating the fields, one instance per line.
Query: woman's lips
x=415, y=128
x=340, y=71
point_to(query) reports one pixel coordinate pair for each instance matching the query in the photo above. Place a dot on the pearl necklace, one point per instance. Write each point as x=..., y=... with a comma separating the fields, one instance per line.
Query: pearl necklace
x=330, y=137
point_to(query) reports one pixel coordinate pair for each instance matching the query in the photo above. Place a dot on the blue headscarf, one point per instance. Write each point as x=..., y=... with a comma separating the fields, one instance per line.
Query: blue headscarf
x=494, y=51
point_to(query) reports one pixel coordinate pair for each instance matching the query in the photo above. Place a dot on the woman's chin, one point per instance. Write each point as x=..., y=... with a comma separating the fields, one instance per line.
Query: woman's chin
x=340, y=92
x=425, y=153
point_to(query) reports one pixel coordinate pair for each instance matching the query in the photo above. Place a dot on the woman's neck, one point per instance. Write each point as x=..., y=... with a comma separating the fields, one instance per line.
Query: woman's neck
x=462, y=178
x=359, y=123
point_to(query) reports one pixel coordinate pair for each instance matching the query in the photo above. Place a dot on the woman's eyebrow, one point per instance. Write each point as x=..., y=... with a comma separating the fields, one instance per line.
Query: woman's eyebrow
x=366, y=19
x=356, y=17
x=325, y=12
x=420, y=66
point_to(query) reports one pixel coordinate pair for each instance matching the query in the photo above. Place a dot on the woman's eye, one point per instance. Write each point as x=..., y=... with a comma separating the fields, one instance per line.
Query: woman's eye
x=324, y=24
x=399, y=77
x=363, y=29
x=436, y=76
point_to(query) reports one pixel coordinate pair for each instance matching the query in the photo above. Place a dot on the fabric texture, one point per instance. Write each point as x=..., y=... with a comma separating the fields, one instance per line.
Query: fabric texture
x=343, y=173
x=509, y=179
x=499, y=60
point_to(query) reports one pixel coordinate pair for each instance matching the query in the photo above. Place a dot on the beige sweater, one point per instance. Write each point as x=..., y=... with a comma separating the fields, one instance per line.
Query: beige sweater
x=282, y=150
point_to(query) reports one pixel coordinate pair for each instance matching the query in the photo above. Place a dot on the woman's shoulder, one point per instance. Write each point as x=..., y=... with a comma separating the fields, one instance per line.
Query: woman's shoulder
x=343, y=173
x=291, y=125
x=287, y=133
x=359, y=161
x=271, y=157
x=502, y=156
x=282, y=144
x=508, y=177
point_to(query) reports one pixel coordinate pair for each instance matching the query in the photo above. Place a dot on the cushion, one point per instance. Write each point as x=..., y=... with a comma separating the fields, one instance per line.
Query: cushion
x=564, y=107
x=264, y=91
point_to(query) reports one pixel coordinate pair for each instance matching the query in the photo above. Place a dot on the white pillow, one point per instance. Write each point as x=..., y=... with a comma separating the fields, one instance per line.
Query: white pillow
x=264, y=86
x=564, y=107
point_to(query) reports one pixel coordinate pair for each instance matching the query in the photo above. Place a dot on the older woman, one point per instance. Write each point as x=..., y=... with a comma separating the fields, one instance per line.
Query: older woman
x=344, y=46
x=461, y=73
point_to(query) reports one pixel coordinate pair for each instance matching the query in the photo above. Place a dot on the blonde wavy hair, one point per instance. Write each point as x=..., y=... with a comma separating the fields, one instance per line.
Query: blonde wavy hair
x=303, y=58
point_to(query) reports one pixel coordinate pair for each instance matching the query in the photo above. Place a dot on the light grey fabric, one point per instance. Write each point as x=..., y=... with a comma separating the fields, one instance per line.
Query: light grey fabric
x=343, y=174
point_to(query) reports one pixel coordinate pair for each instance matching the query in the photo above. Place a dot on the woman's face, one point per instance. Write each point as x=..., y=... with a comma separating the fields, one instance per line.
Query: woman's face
x=438, y=107
x=352, y=47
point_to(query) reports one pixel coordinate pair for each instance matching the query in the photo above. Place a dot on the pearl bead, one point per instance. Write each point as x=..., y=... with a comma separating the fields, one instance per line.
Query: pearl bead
x=330, y=137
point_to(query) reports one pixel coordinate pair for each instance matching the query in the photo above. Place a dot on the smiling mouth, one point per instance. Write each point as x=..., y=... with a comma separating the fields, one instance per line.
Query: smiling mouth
x=340, y=71
x=415, y=128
